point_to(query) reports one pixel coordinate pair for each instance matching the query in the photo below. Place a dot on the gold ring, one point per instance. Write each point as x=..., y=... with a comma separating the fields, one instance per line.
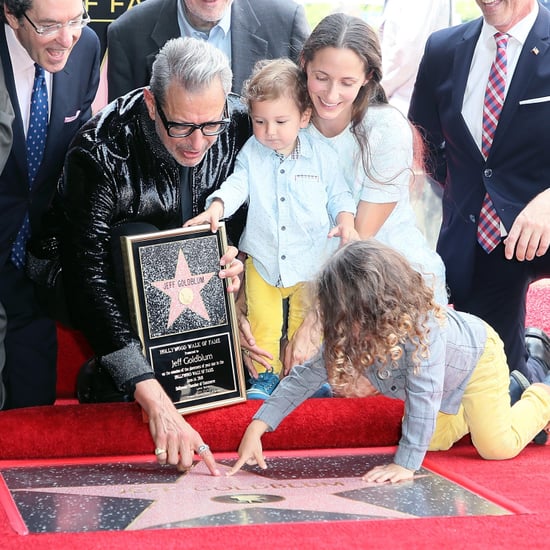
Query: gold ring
x=246, y=351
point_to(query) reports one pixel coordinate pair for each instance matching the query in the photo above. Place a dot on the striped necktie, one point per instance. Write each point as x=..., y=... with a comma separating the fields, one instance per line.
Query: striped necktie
x=488, y=229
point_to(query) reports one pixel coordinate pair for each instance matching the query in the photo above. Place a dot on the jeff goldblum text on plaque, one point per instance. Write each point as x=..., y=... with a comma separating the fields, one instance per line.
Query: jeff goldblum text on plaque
x=184, y=316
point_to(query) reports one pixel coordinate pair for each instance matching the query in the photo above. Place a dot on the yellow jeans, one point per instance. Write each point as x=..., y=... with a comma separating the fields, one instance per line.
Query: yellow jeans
x=265, y=312
x=498, y=430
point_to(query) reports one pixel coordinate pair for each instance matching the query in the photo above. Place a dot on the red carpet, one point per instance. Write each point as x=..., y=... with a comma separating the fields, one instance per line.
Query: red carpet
x=117, y=429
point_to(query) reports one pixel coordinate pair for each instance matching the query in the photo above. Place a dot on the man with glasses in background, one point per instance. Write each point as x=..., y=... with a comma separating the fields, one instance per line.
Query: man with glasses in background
x=146, y=162
x=50, y=63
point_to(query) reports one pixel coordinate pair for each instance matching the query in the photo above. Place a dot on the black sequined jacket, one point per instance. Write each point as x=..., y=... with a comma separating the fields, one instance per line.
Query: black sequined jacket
x=117, y=171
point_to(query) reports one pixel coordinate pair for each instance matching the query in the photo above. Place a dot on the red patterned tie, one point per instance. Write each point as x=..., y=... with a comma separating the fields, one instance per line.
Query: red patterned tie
x=488, y=229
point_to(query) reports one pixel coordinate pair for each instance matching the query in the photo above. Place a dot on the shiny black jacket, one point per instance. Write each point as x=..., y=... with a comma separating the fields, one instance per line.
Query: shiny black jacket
x=117, y=171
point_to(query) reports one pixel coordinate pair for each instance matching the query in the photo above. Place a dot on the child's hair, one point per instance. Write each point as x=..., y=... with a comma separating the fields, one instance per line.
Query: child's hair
x=370, y=302
x=276, y=78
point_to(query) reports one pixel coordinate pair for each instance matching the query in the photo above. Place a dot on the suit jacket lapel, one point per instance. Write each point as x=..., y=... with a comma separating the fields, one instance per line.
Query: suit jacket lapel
x=525, y=69
x=167, y=27
x=461, y=68
x=245, y=43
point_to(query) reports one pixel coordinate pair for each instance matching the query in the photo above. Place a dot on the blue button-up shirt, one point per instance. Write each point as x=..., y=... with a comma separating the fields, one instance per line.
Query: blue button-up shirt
x=219, y=35
x=292, y=205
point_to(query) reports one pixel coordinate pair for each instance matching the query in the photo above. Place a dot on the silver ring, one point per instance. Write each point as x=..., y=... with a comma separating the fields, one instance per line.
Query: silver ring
x=202, y=449
x=159, y=451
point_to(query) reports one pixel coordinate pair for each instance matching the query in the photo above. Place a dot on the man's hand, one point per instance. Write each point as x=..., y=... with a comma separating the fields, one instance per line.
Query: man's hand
x=529, y=236
x=176, y=442
x=232, y=269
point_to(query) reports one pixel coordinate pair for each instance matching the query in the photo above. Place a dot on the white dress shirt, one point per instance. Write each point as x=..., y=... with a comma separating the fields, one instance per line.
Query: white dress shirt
x=484, y=55
x=23, y=73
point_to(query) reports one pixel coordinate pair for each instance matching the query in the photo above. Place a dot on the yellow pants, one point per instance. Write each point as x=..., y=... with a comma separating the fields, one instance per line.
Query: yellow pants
x=265, y=312
x=498, y=431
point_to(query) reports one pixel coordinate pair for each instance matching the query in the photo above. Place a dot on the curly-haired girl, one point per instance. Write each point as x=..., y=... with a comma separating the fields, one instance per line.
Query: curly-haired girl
x=384, y=333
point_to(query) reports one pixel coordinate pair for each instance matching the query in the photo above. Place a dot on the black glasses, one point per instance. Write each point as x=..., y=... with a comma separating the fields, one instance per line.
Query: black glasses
x=48, y=30
x=185, y=129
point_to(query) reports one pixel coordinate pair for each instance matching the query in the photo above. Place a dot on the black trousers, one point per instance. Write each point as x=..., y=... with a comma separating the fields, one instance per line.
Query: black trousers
x=29, y=373
x=498, y=296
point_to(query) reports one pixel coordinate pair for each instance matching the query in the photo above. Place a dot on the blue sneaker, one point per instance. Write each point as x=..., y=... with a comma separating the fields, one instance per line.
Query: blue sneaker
x=324, y=391
x=263, y=386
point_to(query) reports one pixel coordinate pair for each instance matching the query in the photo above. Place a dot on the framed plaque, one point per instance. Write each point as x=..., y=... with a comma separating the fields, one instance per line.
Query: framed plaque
x=184, y=316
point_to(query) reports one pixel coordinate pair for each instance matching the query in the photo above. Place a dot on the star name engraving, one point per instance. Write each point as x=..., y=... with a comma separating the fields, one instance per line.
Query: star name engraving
x=184, y=291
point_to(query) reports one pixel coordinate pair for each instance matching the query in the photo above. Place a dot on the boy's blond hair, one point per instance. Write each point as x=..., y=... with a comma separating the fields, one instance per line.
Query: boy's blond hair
x=276, y=78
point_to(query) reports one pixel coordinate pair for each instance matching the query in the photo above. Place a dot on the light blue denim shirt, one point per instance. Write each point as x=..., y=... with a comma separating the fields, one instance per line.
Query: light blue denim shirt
x=438, y=385
x=292, y=205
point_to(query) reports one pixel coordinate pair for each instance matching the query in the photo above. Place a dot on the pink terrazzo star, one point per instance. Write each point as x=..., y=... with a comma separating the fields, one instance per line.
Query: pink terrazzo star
x=184, y=291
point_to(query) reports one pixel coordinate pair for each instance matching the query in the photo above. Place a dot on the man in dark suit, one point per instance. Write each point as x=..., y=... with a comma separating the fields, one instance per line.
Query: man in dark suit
x=512, y=170
x=246, y=30
x=6, y=137
x=51, y=36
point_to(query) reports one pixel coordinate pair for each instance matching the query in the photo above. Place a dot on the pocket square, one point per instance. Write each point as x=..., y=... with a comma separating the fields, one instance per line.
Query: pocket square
x=72, y=118
x=542, y=99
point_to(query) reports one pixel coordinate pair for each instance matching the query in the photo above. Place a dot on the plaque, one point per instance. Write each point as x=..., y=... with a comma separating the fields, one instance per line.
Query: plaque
x=184, y=315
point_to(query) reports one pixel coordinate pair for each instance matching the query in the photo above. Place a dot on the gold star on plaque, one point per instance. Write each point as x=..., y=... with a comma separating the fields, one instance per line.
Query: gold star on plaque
x=185, y=291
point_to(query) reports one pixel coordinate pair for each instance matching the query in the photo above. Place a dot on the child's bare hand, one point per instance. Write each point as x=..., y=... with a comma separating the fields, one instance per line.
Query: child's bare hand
x=346, y=233
x=210, y=216
x=389, y=472
x=250, y=449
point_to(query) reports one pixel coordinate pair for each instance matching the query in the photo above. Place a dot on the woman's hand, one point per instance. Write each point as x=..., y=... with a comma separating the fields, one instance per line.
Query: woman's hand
x=250, y=449
x=176, y=442
x=389, y=472
x=304, y=344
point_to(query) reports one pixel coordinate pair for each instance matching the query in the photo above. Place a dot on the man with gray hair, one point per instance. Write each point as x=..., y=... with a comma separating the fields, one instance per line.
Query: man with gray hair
x=146, y=162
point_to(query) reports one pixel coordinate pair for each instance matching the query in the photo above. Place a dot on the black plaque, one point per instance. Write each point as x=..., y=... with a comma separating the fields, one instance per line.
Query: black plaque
x=184, y=315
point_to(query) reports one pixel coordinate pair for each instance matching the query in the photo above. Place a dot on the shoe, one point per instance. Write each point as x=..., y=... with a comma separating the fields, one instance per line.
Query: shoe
x=324, y=391
x=263, y=386
x=95, y=385
x=537, y=343
x=518, y=384
x=541, y=438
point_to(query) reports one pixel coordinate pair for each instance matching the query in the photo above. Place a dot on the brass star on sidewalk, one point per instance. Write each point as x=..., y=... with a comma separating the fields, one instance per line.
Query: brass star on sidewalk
x=185, y=291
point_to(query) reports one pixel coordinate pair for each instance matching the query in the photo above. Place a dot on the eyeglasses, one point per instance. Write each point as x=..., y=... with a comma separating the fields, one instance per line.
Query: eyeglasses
x=48, y=30
x=185, y=129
